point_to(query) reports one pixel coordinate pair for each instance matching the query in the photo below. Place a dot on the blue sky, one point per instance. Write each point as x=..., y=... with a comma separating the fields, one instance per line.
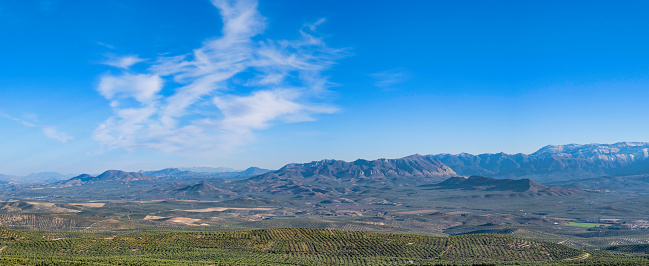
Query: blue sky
x=87, y=86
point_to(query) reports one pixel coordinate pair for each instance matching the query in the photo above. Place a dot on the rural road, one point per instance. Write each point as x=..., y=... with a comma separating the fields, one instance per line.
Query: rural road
x=580, y=257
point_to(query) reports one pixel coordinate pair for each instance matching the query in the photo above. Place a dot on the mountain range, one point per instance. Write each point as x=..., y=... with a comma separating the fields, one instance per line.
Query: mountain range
x=556, y=163
x=115, y=176
x=32, y=178
x=623, y=165
x=180, y=173
x=335, y=177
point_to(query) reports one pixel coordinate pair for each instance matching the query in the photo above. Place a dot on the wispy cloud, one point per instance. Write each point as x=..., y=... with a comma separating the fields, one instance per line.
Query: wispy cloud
x=52, y=133
x=229, y=88
x=106, y=45
x=389, y=79
x=48, y=131
x=124, y=62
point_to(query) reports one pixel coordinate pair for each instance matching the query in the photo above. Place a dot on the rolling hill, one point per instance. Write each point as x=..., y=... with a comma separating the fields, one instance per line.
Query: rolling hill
x=480, y=183
x=192, y=191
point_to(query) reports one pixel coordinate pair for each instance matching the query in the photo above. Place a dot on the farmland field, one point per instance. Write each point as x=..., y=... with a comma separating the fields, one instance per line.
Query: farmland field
x=290, y=246
x=586, y=225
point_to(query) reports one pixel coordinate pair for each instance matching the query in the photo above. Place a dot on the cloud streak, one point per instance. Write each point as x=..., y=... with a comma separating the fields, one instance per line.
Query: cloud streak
x=52, y=133
x=48, y=131
x=222, y=92
x=124, y=62
x=387, y=80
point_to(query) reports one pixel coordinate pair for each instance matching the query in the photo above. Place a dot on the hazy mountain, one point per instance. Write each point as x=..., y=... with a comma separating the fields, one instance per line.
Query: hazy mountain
x=177, y=174
x=556, y=162
x=493, y=184
x=198, y=190
x=334, y=177
x=208, y=169
x=43, y=177
x=33, y=178
x=110, y=176
x=9, y=178
x=253, y=171
x=170, y=173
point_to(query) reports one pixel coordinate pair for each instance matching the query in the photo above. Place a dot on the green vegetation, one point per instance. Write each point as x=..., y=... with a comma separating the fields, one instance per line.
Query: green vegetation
x=587, y=225
x=295, y=246
x=292, y=246
x=637, y=248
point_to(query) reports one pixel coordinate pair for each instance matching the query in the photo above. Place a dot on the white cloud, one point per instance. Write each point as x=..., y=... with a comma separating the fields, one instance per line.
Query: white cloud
x=228, y=88
x=142, y=87
x=124, y=62
x=242, y=114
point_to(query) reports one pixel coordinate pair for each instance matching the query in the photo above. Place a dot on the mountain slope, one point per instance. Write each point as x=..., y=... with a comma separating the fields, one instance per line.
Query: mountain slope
x=631, y=183
x=492, y=184
x=198, y=190
x=178, y=174
x=9, y=178
x=43, y=177
x=555, y=163
x=334, y=177
x=110, y=176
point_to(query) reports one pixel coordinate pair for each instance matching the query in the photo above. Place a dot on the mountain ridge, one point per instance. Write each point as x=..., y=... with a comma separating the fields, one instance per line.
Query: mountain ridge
x=336, y=177
x=109, y=176
x=554, y=163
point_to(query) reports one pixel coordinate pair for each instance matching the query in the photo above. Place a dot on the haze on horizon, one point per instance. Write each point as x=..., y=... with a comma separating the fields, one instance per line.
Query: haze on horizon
x=91, y=86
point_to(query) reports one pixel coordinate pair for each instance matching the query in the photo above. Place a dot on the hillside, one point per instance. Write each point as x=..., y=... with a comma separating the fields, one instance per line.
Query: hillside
x=9, y=178
x=295, y=246
x=193, y=191
x=43, y=177
x=179, y=174
x=110, y=176
x=492, y=184
x=631, y=183
x=335, y=177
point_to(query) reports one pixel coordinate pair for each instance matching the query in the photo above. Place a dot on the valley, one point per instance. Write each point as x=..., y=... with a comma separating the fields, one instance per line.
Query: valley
x=416, y=195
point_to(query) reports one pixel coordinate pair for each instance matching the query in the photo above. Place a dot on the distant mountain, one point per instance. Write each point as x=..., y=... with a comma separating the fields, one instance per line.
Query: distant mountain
x=492, y=184
x=9, y=178
x=334, y=177
x=110, y=176
x=177, y=174
x=208, y=169
x=170, y=173
x=253, y=171
x=44, y=177
x=192, y=191
x=556, y=163
x=33, y=178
